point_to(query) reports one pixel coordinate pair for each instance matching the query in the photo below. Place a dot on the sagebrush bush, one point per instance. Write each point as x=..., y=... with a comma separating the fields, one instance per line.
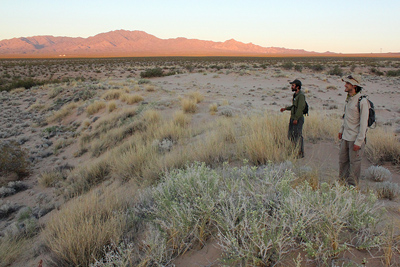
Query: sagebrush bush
x=378, y=174
x=13, y=159
x=257, y=214
x=388, y=190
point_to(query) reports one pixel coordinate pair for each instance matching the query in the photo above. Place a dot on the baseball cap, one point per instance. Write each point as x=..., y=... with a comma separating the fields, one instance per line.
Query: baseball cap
x=354, y=80
x=296, y=82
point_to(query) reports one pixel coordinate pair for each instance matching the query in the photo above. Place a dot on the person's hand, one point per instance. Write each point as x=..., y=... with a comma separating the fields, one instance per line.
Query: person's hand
x=283, y=109
x=294, y=122
x=340, y=136
x=356, y=148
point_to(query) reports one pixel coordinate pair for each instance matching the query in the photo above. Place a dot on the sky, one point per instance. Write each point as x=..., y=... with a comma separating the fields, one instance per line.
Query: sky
x=369, y=26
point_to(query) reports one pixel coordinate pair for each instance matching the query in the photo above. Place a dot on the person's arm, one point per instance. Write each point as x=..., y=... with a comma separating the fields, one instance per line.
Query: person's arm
x=364, y=113
x=340, y=134
x=286, y=108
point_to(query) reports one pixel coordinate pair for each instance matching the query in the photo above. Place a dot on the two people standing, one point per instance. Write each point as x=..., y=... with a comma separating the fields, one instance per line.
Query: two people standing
x=352, y=133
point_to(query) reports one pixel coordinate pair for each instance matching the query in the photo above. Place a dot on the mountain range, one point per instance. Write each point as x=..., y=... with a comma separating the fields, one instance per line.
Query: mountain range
x=133, y=43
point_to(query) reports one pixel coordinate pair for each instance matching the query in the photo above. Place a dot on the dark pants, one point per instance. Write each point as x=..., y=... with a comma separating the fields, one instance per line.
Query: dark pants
x=295, y=134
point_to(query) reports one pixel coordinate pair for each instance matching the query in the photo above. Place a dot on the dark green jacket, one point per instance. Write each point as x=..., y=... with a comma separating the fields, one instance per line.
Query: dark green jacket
x=299, y=103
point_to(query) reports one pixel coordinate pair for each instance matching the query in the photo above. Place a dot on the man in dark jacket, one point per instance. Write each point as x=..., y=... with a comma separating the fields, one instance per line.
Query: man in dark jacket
x=295, y=133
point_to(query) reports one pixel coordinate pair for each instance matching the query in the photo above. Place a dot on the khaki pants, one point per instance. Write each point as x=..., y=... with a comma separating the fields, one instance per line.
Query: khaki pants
x=350, y=163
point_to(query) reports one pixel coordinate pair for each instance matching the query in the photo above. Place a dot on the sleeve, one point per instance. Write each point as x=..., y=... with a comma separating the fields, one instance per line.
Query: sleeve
x=288, y=107
x=341, y=130
x=364, y=113
x=301, y=104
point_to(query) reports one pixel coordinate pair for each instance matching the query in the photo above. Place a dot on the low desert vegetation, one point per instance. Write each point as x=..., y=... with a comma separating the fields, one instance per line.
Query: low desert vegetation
x=95, y=107
x=131, y=99
x=256, y=215
x=112, y=106
x=196, y=95
x=13, y=160
x=80, y=230
x=189, y=105
x=62, y=113
x=153, y=182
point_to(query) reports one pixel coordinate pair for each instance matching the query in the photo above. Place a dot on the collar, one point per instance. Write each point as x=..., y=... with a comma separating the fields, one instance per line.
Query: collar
x=348, y=98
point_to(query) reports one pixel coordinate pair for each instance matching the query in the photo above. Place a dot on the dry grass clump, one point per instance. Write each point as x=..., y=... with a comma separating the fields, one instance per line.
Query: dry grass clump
x=151, y=116
x=382, y=146
x=17, y=90
x=189, y=105
x=82, y=179
x=136, y=161
x=113, y=94
x=11, y=249
x=113, y=137
x=264, y=139
x=181, y=119
x=149, y=87
x=106, y=123
x=196, y=95
x=321, y=127
x=62, y=113
x=50, y=178
x=78, y=232
x=131, y=99
x=213, y=108
x=112, y=106
x=95, y=107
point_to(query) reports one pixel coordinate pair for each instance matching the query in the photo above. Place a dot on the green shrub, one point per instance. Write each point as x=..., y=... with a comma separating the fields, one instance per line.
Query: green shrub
x=156, y=72
x=336, y=71
x=288, y=65
x=376, y=71
x=393, y=73
x=317, y=67
x=13, y=159
x=298, y=68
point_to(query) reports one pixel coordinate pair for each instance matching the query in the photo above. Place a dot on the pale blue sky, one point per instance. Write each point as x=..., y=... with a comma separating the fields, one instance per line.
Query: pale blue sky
x=337, y=26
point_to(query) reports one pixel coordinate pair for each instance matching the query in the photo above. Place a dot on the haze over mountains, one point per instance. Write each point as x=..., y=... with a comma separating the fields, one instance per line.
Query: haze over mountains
x=132, y=43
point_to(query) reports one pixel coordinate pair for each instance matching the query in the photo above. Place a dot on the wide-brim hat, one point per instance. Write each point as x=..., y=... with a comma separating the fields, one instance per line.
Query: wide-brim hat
x=353, y=79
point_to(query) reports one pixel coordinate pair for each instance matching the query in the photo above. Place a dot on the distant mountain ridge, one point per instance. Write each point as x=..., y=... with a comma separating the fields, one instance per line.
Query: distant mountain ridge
x=133, y=43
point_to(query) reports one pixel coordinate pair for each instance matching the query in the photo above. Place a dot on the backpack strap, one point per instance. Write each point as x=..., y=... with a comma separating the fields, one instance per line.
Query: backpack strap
x=359, y=100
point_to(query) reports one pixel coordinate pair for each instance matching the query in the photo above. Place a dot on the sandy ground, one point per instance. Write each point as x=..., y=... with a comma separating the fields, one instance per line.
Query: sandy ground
x=252, y=91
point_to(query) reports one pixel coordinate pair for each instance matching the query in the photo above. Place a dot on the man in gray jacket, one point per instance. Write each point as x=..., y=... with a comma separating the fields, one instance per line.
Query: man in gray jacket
x=353, y=132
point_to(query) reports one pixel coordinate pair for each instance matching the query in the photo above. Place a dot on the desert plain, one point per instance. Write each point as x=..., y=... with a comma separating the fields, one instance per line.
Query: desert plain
x=90, y=146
